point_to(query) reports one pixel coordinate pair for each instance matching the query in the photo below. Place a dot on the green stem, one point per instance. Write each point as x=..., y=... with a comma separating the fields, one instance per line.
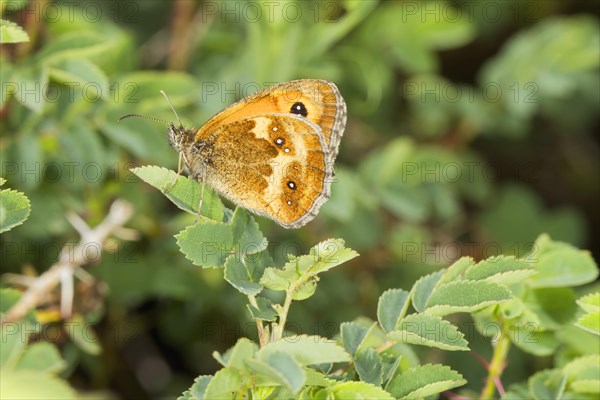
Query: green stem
x=278, y=330
x=496, y=367
x=260, y=328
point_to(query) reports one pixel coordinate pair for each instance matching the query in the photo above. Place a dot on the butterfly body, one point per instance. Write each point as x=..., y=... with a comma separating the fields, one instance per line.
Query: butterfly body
x=272, y=152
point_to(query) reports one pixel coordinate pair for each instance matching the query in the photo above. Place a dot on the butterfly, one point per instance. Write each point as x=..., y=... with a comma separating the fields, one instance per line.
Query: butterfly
x=272, y=152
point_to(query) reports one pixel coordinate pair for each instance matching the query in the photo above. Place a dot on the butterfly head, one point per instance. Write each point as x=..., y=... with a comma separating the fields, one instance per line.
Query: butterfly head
x=179, y=137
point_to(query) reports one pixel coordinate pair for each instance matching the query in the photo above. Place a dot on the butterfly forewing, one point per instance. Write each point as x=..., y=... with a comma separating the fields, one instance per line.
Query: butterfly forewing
x=318, y=101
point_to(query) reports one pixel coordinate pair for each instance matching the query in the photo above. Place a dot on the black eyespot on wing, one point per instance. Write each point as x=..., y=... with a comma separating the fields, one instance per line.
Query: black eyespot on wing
x=291, y=185
x=299, y=109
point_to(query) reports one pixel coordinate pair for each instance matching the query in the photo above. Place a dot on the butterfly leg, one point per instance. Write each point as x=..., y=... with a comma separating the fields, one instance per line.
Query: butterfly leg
x=168, y=189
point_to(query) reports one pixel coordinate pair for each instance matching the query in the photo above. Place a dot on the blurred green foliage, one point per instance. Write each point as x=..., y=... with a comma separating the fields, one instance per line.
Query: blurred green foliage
x=471, y=131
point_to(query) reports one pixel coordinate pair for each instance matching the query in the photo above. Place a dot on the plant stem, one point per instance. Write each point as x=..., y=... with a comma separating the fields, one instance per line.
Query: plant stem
x=496, y=367
x=278, y=331
x=262, y=337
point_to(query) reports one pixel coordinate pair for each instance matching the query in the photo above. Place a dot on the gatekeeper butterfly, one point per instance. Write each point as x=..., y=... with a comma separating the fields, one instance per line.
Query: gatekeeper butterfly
x=271, y=152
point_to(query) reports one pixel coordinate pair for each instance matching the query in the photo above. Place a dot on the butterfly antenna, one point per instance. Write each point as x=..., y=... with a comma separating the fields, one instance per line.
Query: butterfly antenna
x=172, y=108
x=142, y=116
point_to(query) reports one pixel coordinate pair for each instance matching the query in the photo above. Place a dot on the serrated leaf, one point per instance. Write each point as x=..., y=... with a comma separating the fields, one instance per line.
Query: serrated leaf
x=10, y=32
x=547, y=384
x=307, y=350
x=590, y=322
x=501, y=269
x=264, y=312
x=424, y=380
x=246, y=234
x=431, y=331
x=328, y=254
x=206, y=244
x=185, y=193
x=391, y=308
x=224, y=384
x=369, y=367
x=590, y=302
x=423, y=288
x=301, y=272
x=466, y=296
x=14, y=209
x=583, y=374
x=282, y=368
x=457, y=269
x=352, y=335
x=240, y=277
x=41, y=357
x=564, y=266
x=358, y=391
x=241, y=352
x=197, y=390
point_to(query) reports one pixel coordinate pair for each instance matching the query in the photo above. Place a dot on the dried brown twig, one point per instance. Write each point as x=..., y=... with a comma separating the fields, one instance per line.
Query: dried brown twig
x=72, y=258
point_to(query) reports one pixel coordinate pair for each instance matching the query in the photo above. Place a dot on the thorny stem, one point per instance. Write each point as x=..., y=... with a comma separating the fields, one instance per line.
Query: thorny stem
x=501, y=348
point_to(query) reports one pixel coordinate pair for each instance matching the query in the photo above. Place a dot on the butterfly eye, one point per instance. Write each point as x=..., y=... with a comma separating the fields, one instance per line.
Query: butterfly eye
x=299, y=109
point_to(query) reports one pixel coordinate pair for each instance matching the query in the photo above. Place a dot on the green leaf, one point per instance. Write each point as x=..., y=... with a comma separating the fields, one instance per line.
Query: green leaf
x=14, y=209
x=34, y=385
x=185, y=193
x=562, y=265
x=531, y=340
x=583, y=374
x=31, y=85
x=548, y=384
x=41, y=357
x=12, y=33
x=423, y=381
x=369, y=367
x=246, y=234
x=83, y=335
x=13, y=342
x=352, y=335
x=466, y=296
x=197, y=390
x=329, y=254
x=240, y=277
x=423, y=288
x=590, y=302
x=500, y=269
x=358, y=391
x=282, y=368
x=590, y=322
x=206, y=244
x=300, y=273
x=307, y=350
x=456, y=270
x=391, y=308
x=74, y=45
x=429, y=330
x=264, y=312
x=236, y=356
x=223, y=385
x=80, y=71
